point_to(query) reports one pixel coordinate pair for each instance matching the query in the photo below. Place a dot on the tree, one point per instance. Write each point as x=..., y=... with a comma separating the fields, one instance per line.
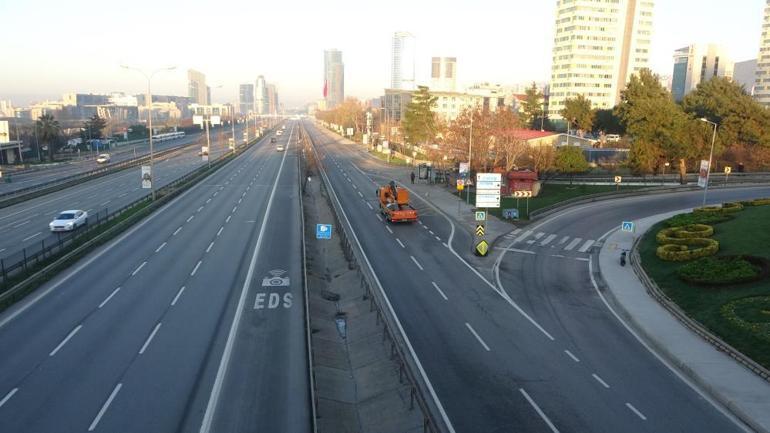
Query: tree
x=93, y=127
x=532, y=107
x=48, y=130
x=419, y=122
x=607, y=122
x=137, y=132
x=578, y=113
x=570, y=160
x=508, y=147
x=643, y=157
x=651, y=116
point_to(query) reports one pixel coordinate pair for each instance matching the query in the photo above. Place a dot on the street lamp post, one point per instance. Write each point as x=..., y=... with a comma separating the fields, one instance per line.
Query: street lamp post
x=149, y=118
x=711, y=156
x=470, y=146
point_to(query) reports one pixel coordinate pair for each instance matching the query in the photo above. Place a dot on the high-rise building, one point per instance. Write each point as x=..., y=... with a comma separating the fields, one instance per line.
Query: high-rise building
x=762, y=81
x=697, y=64
x=272, y=99
x=598, y=45
x=402, y=61
x=196, y=87
x=260, y=96
x=246, y=98
x=6, y=108
x=443, y=74
x=334, y=78
x=744, y=73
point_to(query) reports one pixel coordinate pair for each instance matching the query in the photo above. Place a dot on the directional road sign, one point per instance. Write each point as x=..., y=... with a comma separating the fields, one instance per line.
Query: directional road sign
x=728, y=169
x=479, y=230
x=618, y=179
x=522, y=194
x=482, y=248
x=323, y=231
x=627, y=226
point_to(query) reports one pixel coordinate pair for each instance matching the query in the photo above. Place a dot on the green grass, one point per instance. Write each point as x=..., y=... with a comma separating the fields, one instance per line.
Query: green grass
x=393, y=159
x=550, y=194
x=749, y=234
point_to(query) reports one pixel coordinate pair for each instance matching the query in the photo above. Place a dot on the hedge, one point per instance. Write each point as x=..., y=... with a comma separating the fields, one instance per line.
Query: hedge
x=732, y=207
x=680, y=235
x=755, y=307
x=682, y=253
x=708, y=209
x=719, y=271
x=686, y=219
x=759, y=202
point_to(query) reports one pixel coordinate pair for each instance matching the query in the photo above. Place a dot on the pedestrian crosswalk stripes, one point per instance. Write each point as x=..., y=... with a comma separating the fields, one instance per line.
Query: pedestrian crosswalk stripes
x=573, y=244
x=586, y=245
x=549, y=240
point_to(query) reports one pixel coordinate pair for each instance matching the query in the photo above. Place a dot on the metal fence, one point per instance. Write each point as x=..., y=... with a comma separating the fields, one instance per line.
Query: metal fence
x=401, y=350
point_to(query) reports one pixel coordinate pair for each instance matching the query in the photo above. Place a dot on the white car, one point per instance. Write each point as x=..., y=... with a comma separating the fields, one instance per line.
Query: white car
x=104, y=158
x=280, y=148
x=69, y=220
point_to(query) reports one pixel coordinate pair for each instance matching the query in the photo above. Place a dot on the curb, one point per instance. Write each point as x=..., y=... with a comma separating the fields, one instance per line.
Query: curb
x=663, y=350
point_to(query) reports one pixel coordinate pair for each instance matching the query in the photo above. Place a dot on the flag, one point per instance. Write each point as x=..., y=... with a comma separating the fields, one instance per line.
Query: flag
x=326, y=89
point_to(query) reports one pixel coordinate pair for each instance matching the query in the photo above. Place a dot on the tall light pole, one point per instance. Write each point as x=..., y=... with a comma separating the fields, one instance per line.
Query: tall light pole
x=149, y=118
x=711, y=156
x=470, y=146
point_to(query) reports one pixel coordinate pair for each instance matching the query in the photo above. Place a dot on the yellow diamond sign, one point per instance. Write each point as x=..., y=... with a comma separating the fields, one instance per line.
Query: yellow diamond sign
x=482, y=248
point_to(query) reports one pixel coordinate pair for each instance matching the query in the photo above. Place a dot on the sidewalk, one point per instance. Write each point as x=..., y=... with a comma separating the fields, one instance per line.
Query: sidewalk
x=720, y=377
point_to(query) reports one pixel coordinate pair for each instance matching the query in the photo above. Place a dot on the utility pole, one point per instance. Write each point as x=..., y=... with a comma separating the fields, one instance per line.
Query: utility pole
x=470, y=164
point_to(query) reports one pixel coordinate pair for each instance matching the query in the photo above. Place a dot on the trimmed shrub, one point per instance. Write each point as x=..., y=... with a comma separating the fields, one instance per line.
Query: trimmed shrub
x=749, y=314
x=760, y=202
x=686, y=219
x=704, y=247
x=719, y=271
x=708, y=209
x=680, y=235
x=732, y=207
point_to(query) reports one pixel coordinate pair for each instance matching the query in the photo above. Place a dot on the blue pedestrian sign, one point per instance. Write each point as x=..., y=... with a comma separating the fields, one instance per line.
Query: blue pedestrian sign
x=323, y=231
x=627, y=226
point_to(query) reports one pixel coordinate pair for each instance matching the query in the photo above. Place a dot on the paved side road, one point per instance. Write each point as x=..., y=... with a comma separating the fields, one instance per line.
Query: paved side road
x=722, y=378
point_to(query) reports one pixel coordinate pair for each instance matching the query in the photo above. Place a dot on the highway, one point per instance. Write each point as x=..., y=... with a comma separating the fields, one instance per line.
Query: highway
x=25, y=224
x=191, y=321
x=544, y=354
x=53, y=172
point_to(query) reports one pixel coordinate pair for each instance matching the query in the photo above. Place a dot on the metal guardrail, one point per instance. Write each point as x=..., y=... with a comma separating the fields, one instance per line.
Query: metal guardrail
x=654, y=290
x=400, y=346
x=715, y=179
x=25, y=263
x=12, y=197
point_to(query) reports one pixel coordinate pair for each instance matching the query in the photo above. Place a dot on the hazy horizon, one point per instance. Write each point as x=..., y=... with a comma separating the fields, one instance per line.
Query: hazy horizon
x=78, y=46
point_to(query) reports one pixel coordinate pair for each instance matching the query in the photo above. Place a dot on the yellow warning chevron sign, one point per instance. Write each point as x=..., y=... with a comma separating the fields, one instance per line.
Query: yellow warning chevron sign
x=479, y=230
x=482, y=248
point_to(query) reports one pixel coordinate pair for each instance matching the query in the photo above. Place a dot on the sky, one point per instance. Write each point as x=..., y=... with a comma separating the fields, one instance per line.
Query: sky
x=51, y=46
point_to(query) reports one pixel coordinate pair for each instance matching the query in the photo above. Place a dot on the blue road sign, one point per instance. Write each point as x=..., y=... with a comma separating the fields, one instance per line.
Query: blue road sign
x=627, y=226
x=323, y=231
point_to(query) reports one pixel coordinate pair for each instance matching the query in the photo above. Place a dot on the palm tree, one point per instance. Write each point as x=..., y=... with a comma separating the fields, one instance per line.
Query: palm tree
x=49, y=131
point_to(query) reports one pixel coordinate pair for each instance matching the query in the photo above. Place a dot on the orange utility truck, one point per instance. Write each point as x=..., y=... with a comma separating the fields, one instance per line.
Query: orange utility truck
x=394, y=203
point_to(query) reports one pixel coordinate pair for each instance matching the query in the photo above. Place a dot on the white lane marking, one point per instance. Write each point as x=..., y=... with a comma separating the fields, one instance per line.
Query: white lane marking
x=370, y=206
x=473, y=331
x=149, y=339
x=547, y=240
x=210, y=245
x=417, y=263
x=21, y=224
x=599, y=379
x=440, y=292
x=160, y=247
x=354, y=186
x=581, y=259
x=8, y=396
x=177, y=231
x=572, y=244
x=563, y=240
x=574, y=358
x=136, y=271
x=235, y=208
x=558, y=256
x=515, y=232
x=240, y=200
x=107, y=299
x=200, y=208
x=66, y=339
x=360, y=195
x=539, y=411
x=539, y=235
x=191, y=218
x=178, y=294
x=636, y=411
x=224, y=363
x=30, y=237
x=523, y=236
x=105, y=203
x=105, y=407
x=516, y=250
x=438, y=238
x=220, y=230
x=227, y=220
x=207, y=201
x=400, y=243
x=2, y=249
x=379, y=218
x=586, y=246
x=195, y=269
x=388, y=229
x=215, y=193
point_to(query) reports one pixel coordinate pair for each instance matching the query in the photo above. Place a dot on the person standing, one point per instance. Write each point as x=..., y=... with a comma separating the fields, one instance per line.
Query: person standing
x=411, y=176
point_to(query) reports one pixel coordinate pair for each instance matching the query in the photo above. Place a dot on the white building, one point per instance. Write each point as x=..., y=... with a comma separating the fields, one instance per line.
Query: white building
x=698, y=63
x=197, y=90
x=598, y=45
x=762, y=82
x=745, y=73
x=402, y=61
x=443, y=74
x=260, y=96
x=6, y=108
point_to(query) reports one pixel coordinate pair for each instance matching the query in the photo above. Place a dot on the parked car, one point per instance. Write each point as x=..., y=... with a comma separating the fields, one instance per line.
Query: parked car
x=104, y=158
x=69, y=220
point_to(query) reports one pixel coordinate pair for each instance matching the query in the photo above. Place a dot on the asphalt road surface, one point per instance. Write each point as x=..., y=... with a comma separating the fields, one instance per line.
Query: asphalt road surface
x=52, y=172
x=25, y=224
x=171, y=324
x=545, y=354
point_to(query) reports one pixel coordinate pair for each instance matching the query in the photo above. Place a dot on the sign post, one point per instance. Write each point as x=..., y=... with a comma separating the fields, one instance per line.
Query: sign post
x=487, y=196
x=323, y=231
x=728, y=170
x=618, y=180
